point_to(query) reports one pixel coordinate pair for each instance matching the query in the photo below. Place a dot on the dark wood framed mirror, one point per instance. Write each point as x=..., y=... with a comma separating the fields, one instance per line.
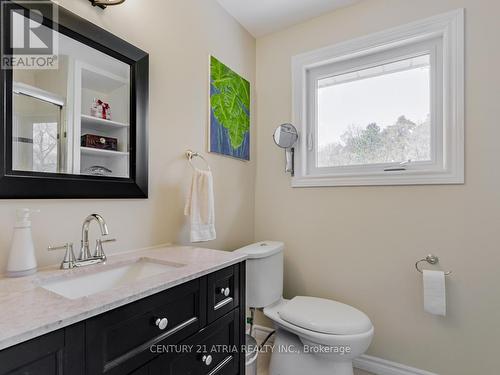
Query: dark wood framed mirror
x=74, y=103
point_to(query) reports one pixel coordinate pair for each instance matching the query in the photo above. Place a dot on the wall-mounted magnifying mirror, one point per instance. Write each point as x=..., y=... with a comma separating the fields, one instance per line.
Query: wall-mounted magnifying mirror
x=285, y=136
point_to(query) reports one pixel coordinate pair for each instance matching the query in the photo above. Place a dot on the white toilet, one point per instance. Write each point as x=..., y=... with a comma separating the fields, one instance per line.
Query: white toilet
x=314, y=336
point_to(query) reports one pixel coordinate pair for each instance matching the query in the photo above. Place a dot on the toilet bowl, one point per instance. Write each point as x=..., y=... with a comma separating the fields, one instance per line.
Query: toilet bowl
x=318, y=350
x=313, y=335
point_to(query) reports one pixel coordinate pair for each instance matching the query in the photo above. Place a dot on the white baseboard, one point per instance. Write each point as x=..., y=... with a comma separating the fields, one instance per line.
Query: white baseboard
x=377, y=366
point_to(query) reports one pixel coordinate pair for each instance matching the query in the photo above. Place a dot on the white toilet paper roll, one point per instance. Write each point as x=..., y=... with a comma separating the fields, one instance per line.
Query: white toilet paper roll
x=434, y=292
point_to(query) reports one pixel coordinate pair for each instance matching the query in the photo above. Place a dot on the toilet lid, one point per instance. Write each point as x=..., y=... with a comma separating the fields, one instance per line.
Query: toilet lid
x=325, y=316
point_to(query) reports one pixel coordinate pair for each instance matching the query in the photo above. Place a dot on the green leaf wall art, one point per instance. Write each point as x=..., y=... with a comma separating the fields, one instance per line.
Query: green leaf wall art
x=229, y=112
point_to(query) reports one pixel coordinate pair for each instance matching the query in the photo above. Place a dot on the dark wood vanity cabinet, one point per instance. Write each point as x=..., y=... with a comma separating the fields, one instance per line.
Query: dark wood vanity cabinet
x=202, y=335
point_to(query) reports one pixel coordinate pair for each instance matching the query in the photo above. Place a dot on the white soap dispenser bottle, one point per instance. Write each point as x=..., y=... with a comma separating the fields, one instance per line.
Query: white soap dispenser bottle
x=22, y=259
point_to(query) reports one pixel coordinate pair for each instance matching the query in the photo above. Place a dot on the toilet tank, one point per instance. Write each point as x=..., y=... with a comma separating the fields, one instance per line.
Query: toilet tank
x=264, y=273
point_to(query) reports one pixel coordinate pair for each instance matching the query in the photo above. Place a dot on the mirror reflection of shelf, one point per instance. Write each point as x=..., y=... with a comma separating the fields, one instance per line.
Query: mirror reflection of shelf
x=106, y=128
x=115, y=161
x=108, y=87
x=114, y=89
x=97, y=79
x=98, y=124
x=102, y=153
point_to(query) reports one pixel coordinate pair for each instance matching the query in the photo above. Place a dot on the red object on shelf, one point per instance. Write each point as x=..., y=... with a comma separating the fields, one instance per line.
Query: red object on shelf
x=106, y=113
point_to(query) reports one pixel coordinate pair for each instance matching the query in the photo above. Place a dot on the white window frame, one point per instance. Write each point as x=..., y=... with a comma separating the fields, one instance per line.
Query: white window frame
x=442, y=37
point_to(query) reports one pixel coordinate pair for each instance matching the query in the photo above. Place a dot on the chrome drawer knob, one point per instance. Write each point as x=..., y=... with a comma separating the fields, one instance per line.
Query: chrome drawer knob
x=161, y=323
x=225, y=292
x=207, y=359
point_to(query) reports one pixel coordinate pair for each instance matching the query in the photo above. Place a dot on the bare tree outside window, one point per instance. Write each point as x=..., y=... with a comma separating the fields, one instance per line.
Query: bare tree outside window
x=45, y=147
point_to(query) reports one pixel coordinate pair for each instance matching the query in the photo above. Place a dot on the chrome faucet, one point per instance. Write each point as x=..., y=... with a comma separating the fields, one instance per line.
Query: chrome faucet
x=86, y=258
x=84, y=248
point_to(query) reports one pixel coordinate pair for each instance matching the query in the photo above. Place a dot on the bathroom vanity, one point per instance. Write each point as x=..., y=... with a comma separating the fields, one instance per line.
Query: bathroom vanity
x=168, y=310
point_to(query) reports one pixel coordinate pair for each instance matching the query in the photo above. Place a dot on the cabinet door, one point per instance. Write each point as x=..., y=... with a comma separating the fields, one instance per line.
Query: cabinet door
x=56, y=353
x=223, y=292
x=214, y=350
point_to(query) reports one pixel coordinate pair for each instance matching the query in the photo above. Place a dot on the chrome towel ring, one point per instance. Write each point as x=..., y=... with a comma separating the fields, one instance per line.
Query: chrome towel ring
x=431, y=259
x=192, y=154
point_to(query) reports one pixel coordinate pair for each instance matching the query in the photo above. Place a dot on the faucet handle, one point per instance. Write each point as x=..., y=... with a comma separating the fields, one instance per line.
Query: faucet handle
x=99, y=251
x=65, y=246
x=108, y=240
x=69, y=257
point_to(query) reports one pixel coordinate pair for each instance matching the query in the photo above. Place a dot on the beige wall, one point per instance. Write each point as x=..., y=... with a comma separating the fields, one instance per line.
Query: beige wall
x=179, y=35
x=359, y=244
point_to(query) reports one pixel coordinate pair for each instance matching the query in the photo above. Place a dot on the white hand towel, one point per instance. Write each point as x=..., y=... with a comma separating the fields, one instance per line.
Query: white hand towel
x=200, y=207
x=434, y=292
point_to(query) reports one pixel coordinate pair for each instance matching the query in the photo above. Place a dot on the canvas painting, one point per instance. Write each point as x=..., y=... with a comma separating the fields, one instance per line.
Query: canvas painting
x=229, y=112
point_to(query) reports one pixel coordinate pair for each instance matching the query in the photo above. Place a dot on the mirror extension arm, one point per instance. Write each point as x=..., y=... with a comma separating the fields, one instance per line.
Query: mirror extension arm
x=285, y=136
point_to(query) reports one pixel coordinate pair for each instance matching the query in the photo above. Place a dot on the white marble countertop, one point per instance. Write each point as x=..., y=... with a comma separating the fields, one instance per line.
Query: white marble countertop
x=28, y=311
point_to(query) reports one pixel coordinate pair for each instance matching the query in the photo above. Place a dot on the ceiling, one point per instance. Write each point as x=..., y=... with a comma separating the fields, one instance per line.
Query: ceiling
x=261, y=17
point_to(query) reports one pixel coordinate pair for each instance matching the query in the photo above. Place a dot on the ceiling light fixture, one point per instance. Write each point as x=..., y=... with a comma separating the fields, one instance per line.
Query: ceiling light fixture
x=104, y=3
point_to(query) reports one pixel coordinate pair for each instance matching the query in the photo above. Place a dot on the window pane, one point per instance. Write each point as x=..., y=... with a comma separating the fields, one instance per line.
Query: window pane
x=45, y=147
x=375, y=115
x=35, y=135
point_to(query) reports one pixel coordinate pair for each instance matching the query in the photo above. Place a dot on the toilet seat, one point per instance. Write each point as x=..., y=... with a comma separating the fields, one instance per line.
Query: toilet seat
x=328, y=339
x=324, y=316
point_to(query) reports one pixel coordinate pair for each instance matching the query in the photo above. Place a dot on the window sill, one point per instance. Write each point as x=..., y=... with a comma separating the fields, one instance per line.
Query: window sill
x=385, y=179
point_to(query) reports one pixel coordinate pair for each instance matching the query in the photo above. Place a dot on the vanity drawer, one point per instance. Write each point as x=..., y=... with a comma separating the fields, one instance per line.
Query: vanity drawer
x=223, y=292
x=119, y=341
x=212, y=351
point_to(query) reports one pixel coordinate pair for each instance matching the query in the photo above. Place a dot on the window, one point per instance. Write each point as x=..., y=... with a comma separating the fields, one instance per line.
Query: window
x=36, y=135
x=356, y=126
x=386, y=109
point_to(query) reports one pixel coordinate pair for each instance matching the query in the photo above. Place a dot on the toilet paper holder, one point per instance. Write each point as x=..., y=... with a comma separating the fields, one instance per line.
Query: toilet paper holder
x=431, y=259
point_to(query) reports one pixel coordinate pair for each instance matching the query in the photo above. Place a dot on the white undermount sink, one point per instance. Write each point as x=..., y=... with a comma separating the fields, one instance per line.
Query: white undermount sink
x=100, y=281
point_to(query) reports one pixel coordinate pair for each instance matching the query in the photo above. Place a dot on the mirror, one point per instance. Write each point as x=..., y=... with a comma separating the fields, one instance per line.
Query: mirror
x=75, y=127
x=285, y=136
x=74, y=119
